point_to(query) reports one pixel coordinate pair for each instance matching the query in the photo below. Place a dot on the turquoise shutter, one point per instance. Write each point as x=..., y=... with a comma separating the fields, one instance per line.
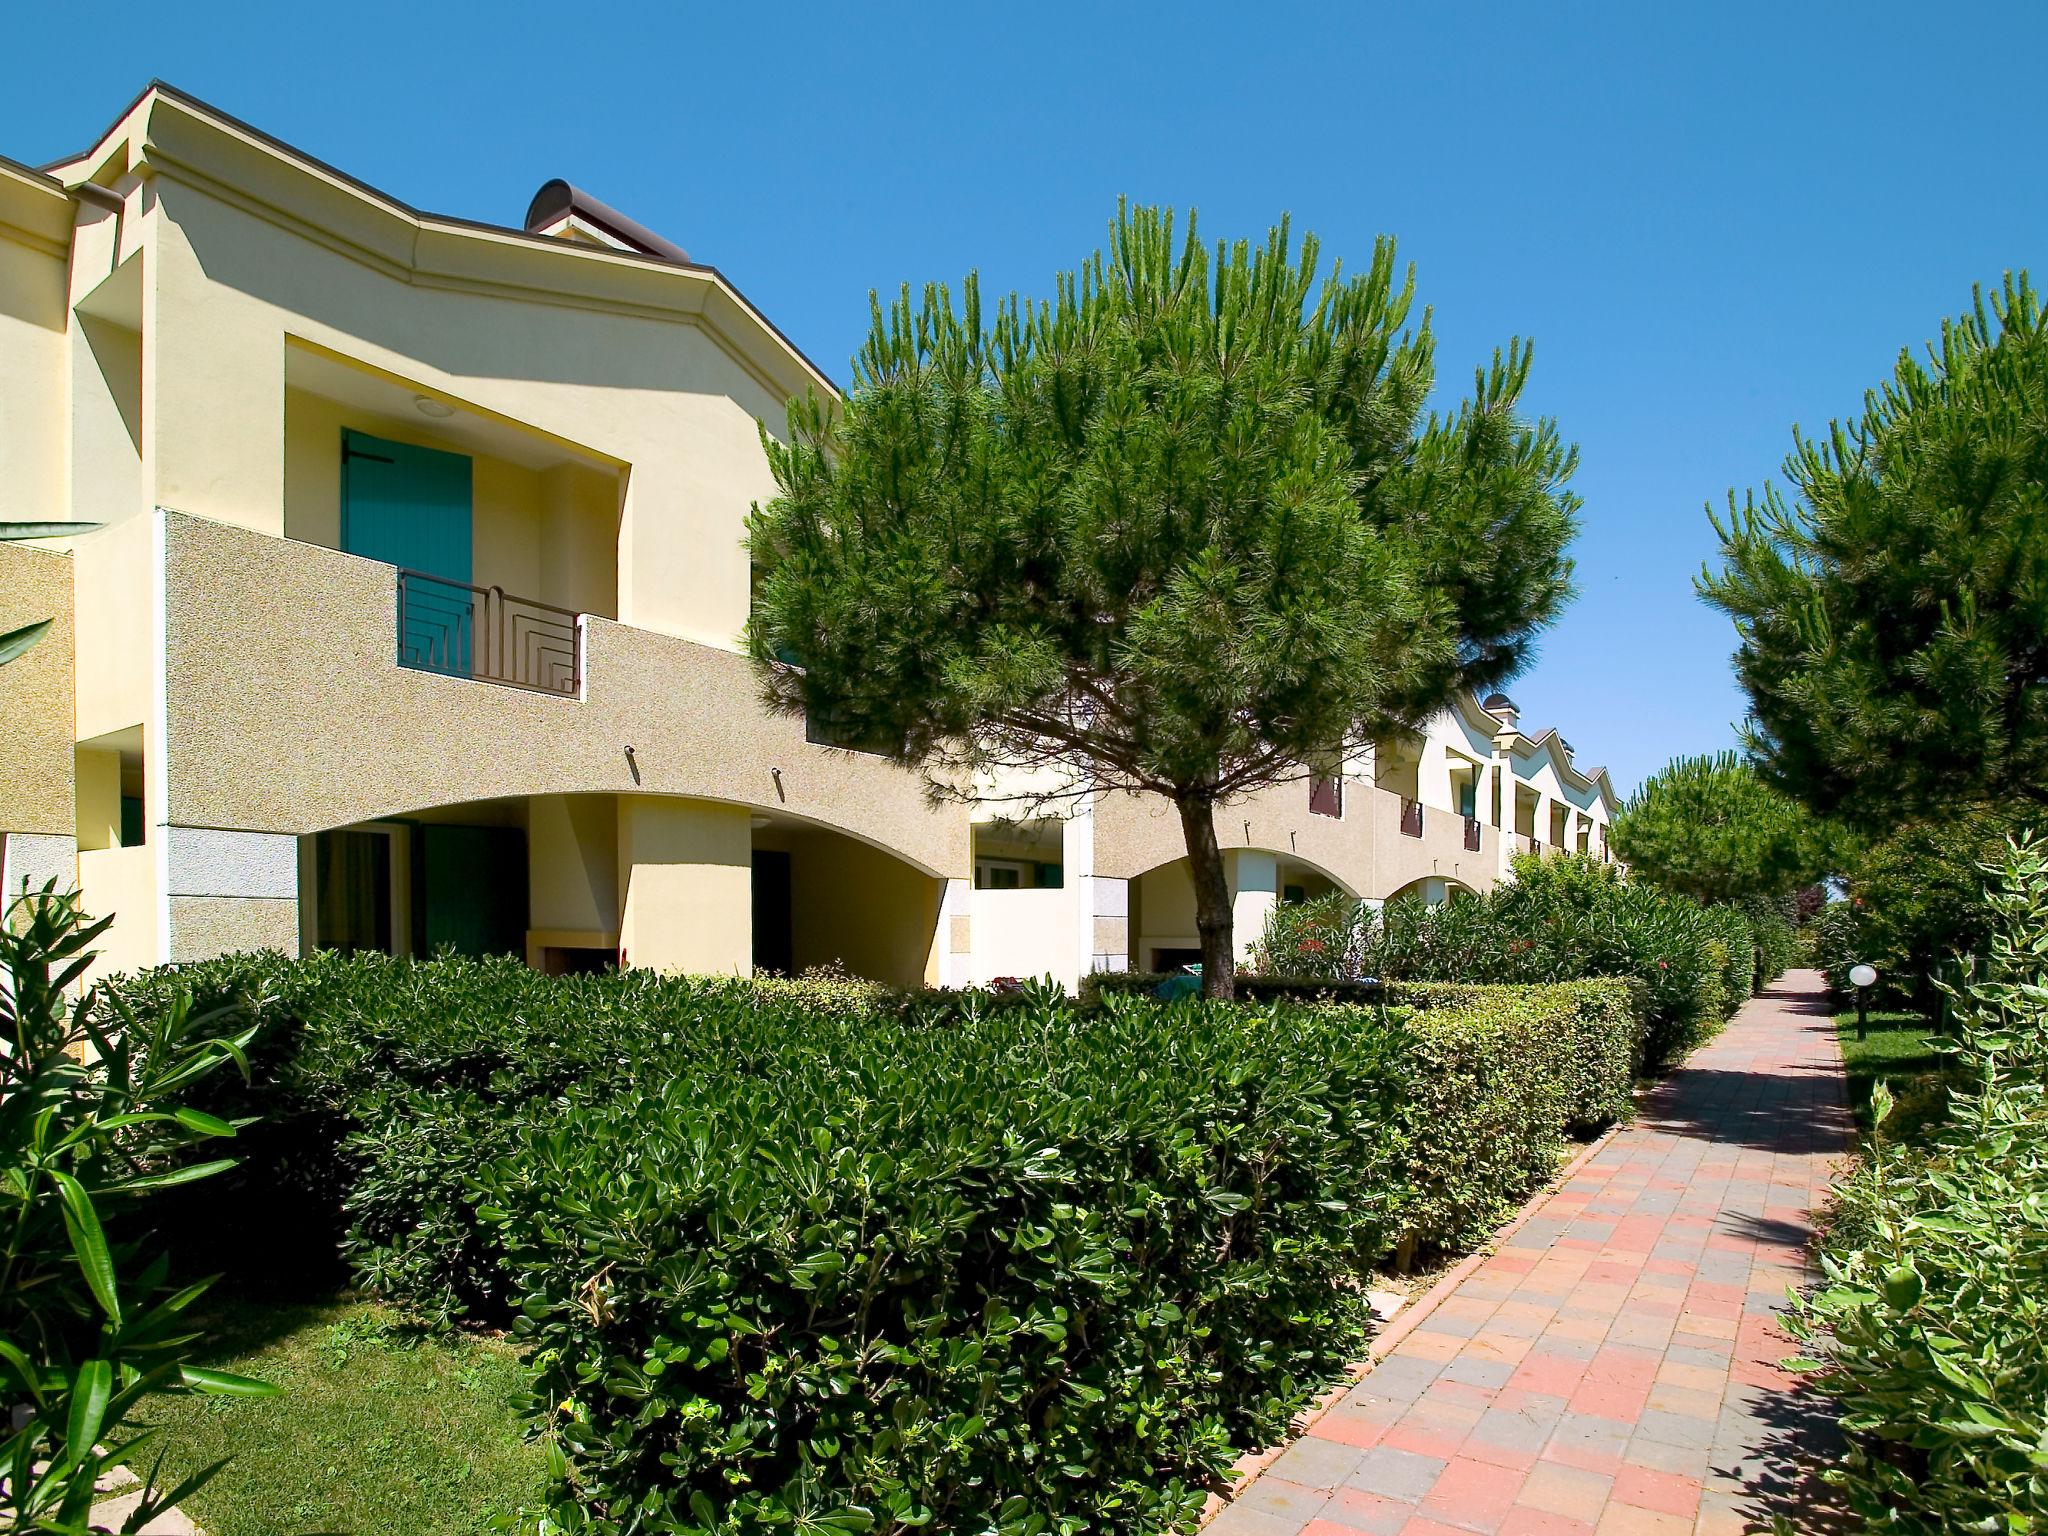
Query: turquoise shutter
x=411, y=507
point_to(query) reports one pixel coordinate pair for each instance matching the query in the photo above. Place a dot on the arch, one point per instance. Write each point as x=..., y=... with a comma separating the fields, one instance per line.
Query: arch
x=584, y=881
x=1453, y=889
x=1160, y=902
x=442, y=809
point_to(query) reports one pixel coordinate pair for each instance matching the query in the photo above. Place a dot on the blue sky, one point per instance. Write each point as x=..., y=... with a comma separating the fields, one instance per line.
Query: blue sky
x=1714, y=220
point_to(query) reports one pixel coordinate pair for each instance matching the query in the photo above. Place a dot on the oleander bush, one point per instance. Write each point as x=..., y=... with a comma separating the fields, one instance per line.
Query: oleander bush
x=1931, y=1329
x=1561, y=919
x=820, y=1252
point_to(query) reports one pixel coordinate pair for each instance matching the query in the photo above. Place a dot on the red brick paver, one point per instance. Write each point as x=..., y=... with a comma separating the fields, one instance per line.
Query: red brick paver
x=1613, y=1367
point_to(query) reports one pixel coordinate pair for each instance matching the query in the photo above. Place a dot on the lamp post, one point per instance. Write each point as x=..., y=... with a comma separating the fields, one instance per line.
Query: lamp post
x=1862, y=978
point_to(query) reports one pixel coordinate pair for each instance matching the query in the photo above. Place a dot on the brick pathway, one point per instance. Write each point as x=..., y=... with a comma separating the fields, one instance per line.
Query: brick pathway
x=1613, y=1366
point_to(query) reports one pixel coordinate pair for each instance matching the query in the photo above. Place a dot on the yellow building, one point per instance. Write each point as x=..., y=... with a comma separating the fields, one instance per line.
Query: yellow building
x=412, y=615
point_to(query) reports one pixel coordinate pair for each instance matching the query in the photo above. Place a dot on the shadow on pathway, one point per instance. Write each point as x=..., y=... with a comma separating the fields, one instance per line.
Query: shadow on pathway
x=1614, y=1365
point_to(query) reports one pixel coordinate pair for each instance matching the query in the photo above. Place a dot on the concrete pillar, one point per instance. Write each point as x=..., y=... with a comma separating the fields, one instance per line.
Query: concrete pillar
x=226, y=891
x=1503, y=772
x=953, y=944
x=1107, y=907
x=31, y=860
x=686, y=869
x=1254, y=877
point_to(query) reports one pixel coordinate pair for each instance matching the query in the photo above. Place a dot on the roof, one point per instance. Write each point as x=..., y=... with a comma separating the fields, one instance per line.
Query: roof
x=650, y=253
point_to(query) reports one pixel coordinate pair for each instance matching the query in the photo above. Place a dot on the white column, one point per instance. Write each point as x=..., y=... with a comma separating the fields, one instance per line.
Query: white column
x=1504, y=833
x=1254, y=890
x=1108, y=910
x=955, y=941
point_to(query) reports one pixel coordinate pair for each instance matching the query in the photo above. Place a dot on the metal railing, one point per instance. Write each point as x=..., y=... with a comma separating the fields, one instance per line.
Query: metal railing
x=466, y=631
x=1411, y=817
x=1326, y=794
x=1471, y=834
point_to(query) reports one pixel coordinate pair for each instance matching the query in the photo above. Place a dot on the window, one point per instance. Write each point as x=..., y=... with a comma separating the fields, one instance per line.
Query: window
x=1020, y=855
x=995, y=875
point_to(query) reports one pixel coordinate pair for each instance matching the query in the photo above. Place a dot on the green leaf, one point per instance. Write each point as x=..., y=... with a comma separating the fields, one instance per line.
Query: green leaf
x=15, y=641
x=203, y=1123
x=225, y=1383
x=184, y=1175
x=89, y=1242
x=91, y=1386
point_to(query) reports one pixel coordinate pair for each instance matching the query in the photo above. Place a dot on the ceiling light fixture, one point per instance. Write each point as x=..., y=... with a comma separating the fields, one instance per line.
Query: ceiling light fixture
x=427, y=405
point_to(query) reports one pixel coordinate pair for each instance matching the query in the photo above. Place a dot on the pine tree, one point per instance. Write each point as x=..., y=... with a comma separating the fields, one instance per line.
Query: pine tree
x=1712, y=829
x=1893, y=615
x=1181, y=529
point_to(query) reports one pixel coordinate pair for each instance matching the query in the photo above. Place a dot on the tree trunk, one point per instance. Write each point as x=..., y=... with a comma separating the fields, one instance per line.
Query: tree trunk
x=1212, y=899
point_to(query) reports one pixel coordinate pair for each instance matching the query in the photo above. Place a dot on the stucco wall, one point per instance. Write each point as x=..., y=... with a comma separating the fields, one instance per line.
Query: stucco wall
x=287, y=712
x=121, y=883
x=1440, y=852
x=856, y=907
x=117, y=648
x=549, y=534
x=687, y=873
x=35, y=691
x=654, y=390
x=1134, y=833
x=1028, y=933
x=33, y=311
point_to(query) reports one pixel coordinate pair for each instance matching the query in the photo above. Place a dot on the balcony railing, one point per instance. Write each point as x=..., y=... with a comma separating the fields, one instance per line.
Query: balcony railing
x=465, y=631
x=1471, y=834
x=1411, y=817
x=1326, y=794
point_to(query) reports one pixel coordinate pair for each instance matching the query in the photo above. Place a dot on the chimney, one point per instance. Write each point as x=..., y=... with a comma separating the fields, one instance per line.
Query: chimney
x=1502, y=708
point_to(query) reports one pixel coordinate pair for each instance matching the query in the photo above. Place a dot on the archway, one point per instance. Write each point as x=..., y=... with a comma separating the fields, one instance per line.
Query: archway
x=1162, y=903
x=574, y=882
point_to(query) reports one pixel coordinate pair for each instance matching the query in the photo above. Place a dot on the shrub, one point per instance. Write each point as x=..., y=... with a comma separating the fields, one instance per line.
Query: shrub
x=1250, y=988
x=993, y=1277
x=1917, y=900
x=1565, y=919
x=1008, y=1260
x=1322, y=939
x=1601, y=1017
x=1930, y=1326
x=94, y=1120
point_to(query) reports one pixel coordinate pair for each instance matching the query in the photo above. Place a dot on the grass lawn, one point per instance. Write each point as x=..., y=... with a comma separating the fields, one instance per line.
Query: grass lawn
x=1896, y=1053
x=377, y=1432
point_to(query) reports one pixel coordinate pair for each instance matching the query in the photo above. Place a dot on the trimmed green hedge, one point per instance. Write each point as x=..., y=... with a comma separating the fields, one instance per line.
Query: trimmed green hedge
x=1563, y=918
x=1250, y=988
x=801, y=1250
x=1601, y=1018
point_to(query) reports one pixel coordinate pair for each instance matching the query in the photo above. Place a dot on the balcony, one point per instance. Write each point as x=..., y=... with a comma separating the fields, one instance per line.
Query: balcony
x=483, y=633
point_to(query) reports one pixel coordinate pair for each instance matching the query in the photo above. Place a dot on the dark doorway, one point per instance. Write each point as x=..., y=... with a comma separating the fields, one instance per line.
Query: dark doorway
x=469, y=890
x=352, y=891
x=772, y=942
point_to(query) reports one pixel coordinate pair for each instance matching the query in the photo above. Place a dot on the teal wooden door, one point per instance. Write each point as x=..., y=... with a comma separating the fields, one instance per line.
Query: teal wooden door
x=411, y=507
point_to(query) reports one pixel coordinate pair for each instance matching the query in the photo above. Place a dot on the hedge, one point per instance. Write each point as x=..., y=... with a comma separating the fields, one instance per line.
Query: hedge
x=805, y=1250
x=1931, y=1329
x=1563, y=918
